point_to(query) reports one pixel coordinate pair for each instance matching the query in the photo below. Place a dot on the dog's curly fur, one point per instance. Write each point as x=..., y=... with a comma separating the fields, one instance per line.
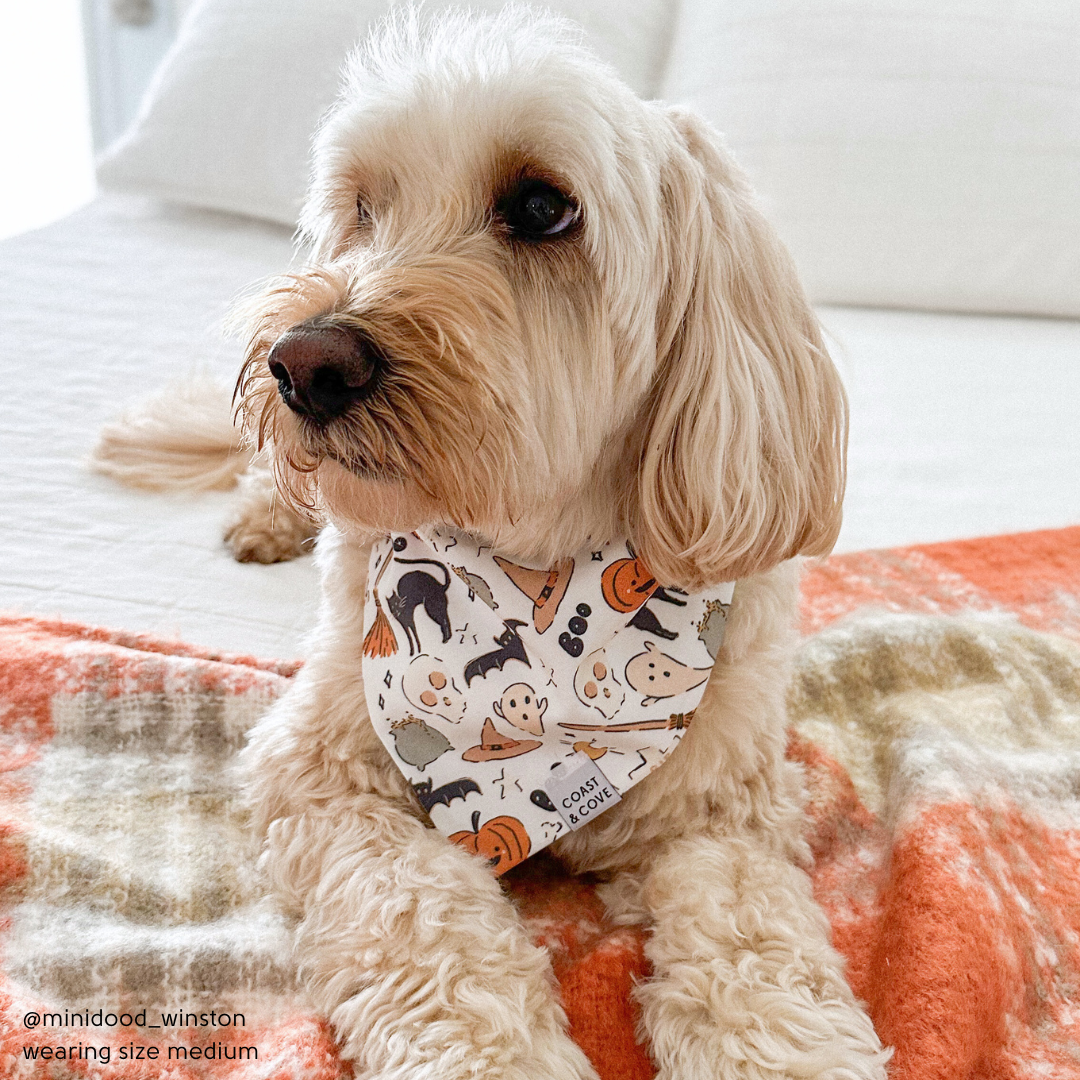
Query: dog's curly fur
x=656, y=373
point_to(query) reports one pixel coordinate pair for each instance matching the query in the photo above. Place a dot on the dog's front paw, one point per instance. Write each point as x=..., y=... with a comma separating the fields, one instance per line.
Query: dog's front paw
x=450, y=1050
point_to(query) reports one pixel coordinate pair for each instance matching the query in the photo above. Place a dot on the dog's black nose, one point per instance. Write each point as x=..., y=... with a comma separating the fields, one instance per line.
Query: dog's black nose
x=320, y=372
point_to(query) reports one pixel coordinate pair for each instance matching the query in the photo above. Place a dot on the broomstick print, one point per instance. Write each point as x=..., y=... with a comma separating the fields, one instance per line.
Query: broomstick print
x=675, y=722
x=380, y=639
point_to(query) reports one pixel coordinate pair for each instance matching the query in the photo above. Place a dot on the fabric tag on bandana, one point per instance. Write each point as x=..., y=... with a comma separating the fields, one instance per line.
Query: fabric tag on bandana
x=522, y=702
x=580, y=791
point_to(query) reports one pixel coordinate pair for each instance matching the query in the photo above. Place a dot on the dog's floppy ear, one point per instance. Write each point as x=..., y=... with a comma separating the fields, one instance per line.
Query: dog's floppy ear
x=742, y=458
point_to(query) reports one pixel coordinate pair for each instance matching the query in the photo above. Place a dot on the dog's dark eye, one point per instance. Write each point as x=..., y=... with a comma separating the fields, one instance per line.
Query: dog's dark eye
x=534, y=210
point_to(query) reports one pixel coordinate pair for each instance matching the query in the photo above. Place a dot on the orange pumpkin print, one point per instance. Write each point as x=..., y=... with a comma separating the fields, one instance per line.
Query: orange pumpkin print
x=503, y=841
x=627, y=584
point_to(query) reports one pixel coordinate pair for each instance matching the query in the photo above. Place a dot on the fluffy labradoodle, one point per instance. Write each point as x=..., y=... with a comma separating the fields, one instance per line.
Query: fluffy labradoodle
x=547, y=316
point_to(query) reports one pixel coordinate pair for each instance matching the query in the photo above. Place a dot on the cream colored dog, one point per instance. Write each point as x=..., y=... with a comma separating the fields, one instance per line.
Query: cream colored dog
x=548, y=313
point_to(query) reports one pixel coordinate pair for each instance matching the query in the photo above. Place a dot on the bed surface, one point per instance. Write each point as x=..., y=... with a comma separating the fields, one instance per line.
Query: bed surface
x=961, y=425
x=97, y=311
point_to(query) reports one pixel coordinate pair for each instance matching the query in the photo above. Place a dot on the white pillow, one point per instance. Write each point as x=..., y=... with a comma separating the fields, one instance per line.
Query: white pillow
x=228, y=119
x=912, y=153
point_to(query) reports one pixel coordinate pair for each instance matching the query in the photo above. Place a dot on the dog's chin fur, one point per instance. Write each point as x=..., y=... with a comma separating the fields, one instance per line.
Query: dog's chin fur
x=655, y=373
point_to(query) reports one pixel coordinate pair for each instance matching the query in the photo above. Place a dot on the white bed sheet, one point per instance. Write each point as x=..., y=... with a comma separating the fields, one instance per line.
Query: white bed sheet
x=961, y=425
x=97, y=311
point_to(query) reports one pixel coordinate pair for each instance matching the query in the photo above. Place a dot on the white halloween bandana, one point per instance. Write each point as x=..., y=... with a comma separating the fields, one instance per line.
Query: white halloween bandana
x=522, y=702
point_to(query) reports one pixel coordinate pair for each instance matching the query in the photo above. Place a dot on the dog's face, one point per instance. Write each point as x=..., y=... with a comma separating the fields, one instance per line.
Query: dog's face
x=546, y=312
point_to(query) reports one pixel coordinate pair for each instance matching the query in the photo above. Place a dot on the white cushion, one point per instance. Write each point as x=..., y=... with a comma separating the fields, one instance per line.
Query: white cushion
x=912, y=153
x=228, y=119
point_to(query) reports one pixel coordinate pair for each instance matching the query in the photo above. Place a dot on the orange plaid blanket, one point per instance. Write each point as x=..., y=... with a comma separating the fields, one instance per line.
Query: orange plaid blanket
x=942, y=757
